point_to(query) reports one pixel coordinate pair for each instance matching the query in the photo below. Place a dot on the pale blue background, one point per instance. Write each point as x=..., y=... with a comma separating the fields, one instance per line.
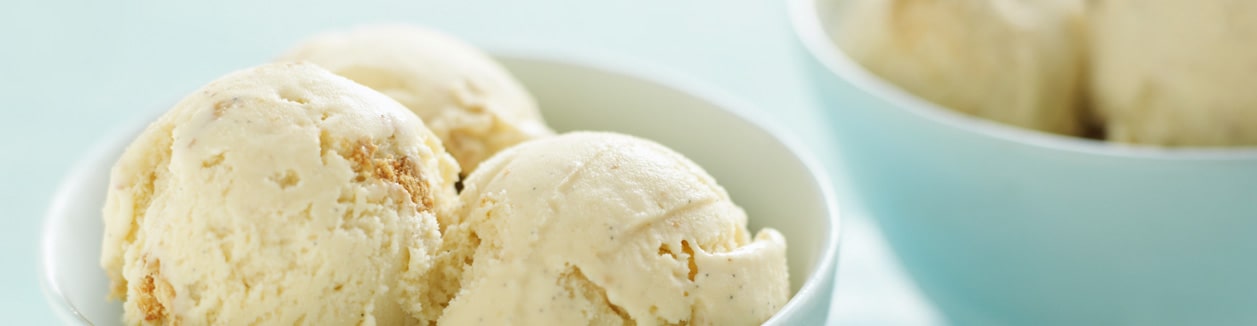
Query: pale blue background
x=74, y=72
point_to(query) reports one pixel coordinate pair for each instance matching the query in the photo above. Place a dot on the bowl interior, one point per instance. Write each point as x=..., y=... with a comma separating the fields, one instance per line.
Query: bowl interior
x=777, y=187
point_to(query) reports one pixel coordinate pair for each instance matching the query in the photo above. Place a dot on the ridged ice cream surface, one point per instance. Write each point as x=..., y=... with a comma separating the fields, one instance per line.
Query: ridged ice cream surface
x=472, y=104
x=281, y=194
x=602, y=229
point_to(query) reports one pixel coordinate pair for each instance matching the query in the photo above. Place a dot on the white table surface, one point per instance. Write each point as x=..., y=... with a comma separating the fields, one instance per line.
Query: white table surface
x=74, y=72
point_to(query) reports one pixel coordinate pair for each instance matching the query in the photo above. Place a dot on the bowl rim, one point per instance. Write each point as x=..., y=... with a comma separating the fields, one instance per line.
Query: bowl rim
x=62, y=306
x=810, y=31
x=812, y=287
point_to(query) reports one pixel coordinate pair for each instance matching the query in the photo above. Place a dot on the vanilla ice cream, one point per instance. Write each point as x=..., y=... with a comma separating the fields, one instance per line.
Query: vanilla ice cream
x=282, y=194
x=1175, y=73
x=605, y=229
x=1016, y=62
x=472, y=104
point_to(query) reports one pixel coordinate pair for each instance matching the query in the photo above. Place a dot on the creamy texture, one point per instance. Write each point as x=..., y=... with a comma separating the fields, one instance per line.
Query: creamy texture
x=605, y=229
x=1016, y=62
x=281, y=194
x=1176, y=73
x=474, y=105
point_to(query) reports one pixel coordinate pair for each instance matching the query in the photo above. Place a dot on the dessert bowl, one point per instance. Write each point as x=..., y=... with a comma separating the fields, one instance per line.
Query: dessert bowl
x=778, y=184
x=1006, y=226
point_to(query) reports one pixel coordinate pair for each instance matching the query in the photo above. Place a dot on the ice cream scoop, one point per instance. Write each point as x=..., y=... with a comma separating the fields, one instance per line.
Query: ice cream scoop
x=1015, y=62
x=281, y=194
x=606, y=229
x=1175, y=73
x=472, y=104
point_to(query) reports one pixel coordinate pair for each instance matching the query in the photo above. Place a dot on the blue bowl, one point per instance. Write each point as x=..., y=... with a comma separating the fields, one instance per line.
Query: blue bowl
x=1000, y=225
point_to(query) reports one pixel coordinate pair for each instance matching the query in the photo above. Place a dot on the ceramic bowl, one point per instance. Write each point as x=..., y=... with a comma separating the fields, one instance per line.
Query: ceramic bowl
x=1005, y=226
x=777, y=183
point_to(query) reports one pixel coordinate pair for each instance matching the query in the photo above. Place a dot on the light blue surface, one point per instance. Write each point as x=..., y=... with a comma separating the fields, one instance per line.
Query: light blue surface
x=73, y=72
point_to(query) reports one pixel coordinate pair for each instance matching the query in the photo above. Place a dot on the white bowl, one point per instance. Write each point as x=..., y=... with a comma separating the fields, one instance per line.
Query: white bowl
x=777, y=184
x=1007, y=226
